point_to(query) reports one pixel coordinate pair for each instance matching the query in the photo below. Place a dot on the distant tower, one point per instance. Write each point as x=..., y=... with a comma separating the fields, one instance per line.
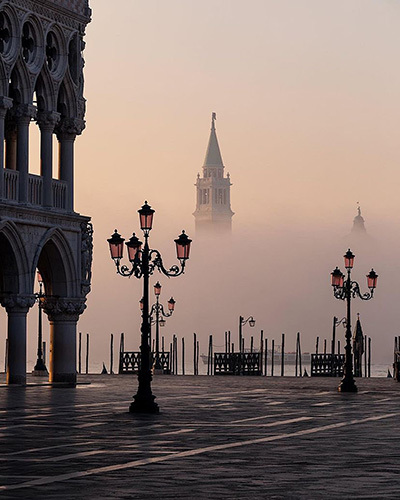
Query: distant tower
x=358, y=223
x=213, y=199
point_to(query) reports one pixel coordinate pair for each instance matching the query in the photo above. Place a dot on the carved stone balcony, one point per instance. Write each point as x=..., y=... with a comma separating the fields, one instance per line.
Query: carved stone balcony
x=35, y=190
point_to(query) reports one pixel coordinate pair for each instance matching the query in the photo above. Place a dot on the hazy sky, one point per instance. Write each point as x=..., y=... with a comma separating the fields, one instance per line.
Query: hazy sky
x=308, y=120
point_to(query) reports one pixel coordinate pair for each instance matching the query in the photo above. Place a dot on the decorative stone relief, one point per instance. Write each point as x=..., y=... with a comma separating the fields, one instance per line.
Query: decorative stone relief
x=86, y=257
x=63, y=309
x=13, y=301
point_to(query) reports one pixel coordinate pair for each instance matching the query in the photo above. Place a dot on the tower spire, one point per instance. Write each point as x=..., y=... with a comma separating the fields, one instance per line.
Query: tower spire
x=213, y=205
x=213, y=155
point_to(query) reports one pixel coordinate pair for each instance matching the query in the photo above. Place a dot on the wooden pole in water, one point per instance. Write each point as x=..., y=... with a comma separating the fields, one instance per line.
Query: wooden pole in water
x=251, y=344
x=301, y=370
x=171, y=362
x=183, y=356
x=369, y=357
x=80, y=353
x=283, y=356
x=176, y=354
x=111, y=354
x=365, y=355
x=162, y=344
x=194, y=354
x=44, y=351
x=297, y=353
x=266, y=357
x=316, y=345
x=338, y=346
x=229, y=340
x=272, y=357
x=325, y=346
x=233, y=347
x=87, y=353
x=197, y=358
x=334, y=334
x=210, y=356
x=262, y=342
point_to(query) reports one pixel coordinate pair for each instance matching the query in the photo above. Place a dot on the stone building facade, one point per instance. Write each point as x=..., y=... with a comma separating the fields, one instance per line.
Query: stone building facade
x=213, y=191
x=41, y=84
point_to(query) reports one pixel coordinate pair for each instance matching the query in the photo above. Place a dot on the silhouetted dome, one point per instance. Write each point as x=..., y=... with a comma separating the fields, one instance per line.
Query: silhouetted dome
x=358, y=223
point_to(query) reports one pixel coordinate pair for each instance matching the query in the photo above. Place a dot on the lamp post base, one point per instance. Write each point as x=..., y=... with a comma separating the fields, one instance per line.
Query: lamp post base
x=347, y=386
x=40, y=368
x=144, y=405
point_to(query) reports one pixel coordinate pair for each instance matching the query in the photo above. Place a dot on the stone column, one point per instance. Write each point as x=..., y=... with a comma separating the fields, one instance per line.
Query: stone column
x=5, y=104
x=17, y=307
x=47, y=120
x=23, y=113
x=63, y=315
x=67, y=130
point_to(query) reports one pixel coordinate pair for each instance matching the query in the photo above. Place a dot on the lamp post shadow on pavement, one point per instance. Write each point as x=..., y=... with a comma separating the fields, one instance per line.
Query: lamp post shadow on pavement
x=144, y=261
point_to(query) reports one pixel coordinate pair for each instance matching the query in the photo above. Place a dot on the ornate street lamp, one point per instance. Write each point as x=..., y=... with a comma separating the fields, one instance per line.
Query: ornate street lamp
x=160, y=313
x=144, y=261
x=242, y=322
x=40, y=367
x=346, y=290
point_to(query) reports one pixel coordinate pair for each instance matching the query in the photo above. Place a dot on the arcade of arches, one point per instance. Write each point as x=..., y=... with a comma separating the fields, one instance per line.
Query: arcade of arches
x=41, y=85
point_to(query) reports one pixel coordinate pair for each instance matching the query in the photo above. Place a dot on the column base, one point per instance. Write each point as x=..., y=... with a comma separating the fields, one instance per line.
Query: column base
x=16, y=379
x=64, y=378
x=144, y=405
x=347, y=386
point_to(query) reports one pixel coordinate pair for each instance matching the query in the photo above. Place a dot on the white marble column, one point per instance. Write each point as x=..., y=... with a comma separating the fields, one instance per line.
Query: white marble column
x=23, y=114
x=5, y=104
x=47, y=120
x=63, y=315
x=17, y=307
x=67, y=130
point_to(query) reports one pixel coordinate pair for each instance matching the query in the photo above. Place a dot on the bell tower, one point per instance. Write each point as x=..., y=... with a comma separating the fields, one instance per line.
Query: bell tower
x=213, y=191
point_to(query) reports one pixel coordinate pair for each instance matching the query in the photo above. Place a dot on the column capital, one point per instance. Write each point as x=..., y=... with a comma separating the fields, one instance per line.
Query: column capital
x=5, y=104
x=47, y=120
x=17, y=302
x=23, y=113
x=69, y=128
x=63, y=308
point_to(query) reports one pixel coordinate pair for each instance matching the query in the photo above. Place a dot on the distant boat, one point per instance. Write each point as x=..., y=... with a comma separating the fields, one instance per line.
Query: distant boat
x=290, y=357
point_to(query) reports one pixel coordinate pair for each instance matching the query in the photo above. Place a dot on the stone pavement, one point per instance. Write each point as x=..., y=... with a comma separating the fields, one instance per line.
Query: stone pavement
x=216, y=437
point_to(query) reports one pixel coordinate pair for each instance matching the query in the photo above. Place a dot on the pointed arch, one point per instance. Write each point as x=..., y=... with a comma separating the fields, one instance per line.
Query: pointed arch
x=45, y=94
x=3, y=80
x=20, y=88
x=14, y=270
x=67, y=100
x=54, y=259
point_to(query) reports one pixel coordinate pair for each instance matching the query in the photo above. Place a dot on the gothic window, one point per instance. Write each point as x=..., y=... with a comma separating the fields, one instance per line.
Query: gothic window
x=52, y=51
x=28, y=45
x=5, y=33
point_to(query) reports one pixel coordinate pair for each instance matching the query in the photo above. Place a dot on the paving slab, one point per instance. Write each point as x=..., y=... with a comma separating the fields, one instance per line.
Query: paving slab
x=215, y=437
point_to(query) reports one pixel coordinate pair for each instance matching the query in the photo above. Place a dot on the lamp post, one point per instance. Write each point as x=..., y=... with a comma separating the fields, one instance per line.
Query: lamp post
x=144, y=261
x=242, y=322
x=40, y=367
x=346, y=290
x=158, y=310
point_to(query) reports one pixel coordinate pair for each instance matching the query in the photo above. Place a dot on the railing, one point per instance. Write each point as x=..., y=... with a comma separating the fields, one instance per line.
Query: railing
x=35, y=189
x=245, y=363
x=59, y=194
x=35, y=184
x=327, y=365
x=129, y=362
x=11, y=184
